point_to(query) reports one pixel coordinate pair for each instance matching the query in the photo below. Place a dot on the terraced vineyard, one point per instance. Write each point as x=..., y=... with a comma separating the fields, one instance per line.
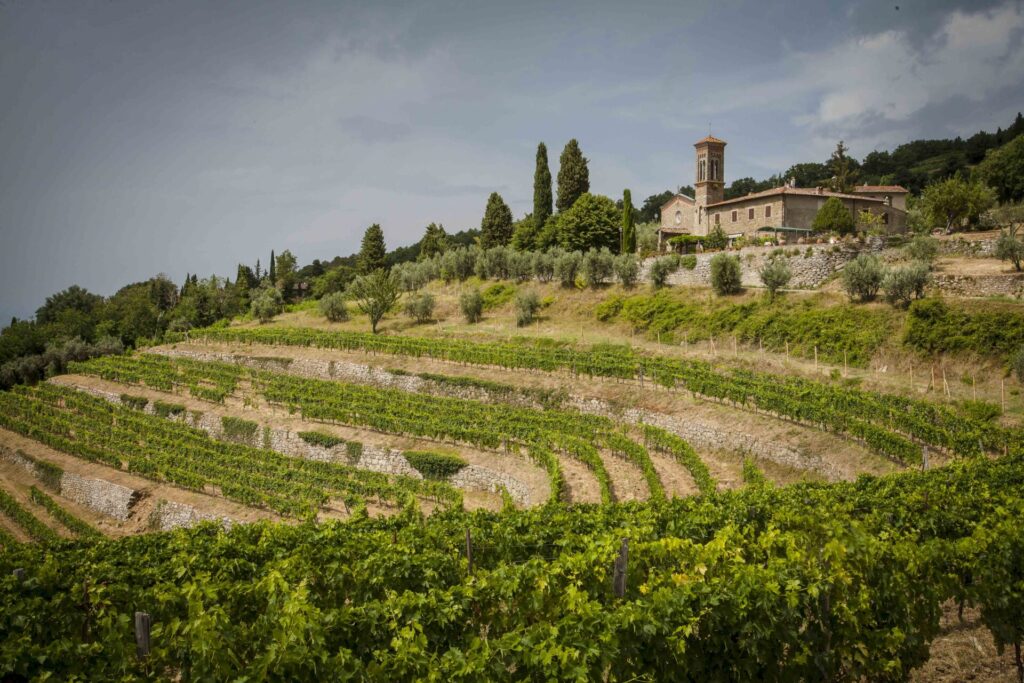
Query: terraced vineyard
x=742, y=579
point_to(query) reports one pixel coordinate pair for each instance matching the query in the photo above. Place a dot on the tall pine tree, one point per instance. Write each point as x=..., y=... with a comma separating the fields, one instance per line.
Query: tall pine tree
x=541, y=188
x=496, y=226
x=628, y=229
x=372, y=252
x=573, y=176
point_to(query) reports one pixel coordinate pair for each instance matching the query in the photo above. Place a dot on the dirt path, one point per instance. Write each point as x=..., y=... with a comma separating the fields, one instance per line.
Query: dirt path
x=627, y=479
x=580, y=483
x=674, y=477
x=965, y=652
x=517, y=466
x=202, y=502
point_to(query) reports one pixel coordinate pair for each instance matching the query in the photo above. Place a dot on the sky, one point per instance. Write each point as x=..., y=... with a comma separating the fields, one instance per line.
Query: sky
x=142, y=137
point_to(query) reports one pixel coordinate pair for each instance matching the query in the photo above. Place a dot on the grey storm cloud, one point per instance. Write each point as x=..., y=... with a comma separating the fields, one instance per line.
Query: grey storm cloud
x=146, y=137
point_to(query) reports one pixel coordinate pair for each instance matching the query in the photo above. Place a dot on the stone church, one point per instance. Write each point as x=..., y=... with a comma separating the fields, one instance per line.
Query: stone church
x=782, y=211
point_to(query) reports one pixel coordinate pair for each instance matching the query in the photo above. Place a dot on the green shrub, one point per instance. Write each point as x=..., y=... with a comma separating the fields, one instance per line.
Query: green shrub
x=134, y=402
x=725, y=274
x=903, y=285
x=716, y=239
x=982, y=411
x=527, y=305
x=752, y=475
x=353, y=451
x=862, y=277
x=922, y=248
x=164, y=409
x=239, y=430
x=834, y=217
x=661, y=268
x=472, y=305
x=935, y=327
x=689, y=261
x=497, y=295
x=1017, y=363
x=332, y=307
x=435, y=465
x=609, y=308
x=420, y=307
x=321, y=439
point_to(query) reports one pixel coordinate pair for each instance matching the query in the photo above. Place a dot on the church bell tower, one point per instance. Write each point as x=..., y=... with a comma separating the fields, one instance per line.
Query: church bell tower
x=709, y=187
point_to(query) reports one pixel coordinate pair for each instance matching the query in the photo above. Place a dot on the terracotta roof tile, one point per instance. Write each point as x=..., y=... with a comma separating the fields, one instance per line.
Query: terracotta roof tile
x=881, y=188
x=801, y=191
x=709, y=138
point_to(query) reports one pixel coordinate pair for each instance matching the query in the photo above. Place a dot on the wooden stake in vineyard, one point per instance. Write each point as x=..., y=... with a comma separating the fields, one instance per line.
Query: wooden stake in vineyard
x=815, y=357
x=1002, y=393
x=619, y=570
x=142, y=629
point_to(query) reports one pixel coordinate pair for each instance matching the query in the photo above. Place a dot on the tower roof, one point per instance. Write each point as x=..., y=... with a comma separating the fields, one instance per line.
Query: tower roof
x=708, y=139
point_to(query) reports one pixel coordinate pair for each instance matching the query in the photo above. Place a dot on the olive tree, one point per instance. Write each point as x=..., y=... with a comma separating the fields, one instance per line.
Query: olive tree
x=375, y=294
x=775, y=274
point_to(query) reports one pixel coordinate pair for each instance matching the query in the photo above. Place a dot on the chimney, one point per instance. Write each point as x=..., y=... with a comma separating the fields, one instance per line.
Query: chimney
x=821, y=190
x=792, y=181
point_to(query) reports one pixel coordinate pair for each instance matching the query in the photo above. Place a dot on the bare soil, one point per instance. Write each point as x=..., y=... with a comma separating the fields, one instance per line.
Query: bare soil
x=965, y=651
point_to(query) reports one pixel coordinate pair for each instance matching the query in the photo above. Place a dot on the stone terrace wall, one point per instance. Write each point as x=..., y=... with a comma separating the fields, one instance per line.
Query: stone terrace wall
x=700, y=433
x=1005, y=284
x=373, y=458
x=809, y=271
x=168, y=515
x=961, y=246
x=99, y=495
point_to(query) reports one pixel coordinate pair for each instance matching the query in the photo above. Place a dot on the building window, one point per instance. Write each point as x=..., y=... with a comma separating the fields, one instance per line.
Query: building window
x=701, y=169
x=717, y=217
x=734, y=216
x=750, y=214
x=885, y=218
x=768, y=211
x=679, y=217
x=714, y=169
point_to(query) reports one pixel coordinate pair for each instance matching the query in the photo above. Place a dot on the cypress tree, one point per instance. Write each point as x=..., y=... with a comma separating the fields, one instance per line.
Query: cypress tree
x=541, y=188
x=258, y=274
x=273, y=268
x=573, y=176
x=628, y=230
x=372, y=252
x=496, y=226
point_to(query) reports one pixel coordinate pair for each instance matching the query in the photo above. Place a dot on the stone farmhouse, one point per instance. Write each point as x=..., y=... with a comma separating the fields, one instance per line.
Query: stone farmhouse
x=781, y=211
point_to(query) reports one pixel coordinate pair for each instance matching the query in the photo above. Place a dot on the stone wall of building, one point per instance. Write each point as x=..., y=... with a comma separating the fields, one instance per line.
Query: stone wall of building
x=812, y=265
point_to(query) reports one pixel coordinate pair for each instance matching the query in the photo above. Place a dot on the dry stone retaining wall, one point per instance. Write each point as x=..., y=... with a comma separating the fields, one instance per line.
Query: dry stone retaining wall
x=373, y=458
x=699, y=433
x=1009, y=284
x=170, y=515
x=99, y=495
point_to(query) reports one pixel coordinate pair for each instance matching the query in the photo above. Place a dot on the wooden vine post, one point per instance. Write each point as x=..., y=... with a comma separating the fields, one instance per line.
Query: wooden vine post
x=469, y=550
x=619, y=574
x=142, y=626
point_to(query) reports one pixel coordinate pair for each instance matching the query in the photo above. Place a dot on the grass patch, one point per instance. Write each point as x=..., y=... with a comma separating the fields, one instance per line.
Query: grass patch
x=497, y=295
x=935, y=326
x=856, y=331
